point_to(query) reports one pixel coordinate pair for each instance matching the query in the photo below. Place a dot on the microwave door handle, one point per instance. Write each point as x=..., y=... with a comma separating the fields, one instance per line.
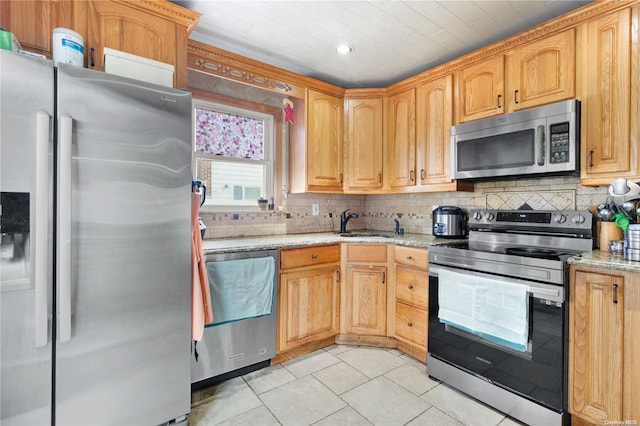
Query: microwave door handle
x=540, y=144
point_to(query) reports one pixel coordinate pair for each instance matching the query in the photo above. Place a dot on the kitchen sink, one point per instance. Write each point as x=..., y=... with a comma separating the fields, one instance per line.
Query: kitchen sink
x=367, y=234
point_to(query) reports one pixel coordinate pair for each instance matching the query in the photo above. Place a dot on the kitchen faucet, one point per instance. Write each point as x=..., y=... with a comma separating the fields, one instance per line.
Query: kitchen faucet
x=344, y=218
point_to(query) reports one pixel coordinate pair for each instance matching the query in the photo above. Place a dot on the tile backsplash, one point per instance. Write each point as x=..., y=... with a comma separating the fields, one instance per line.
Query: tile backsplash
x=412, y=210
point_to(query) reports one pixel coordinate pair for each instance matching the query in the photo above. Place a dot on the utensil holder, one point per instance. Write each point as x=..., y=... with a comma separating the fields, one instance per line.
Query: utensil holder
x=609, y=231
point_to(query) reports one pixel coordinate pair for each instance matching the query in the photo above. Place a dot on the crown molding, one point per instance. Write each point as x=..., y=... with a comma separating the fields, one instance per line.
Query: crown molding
x=166, y=9
x=222, y=63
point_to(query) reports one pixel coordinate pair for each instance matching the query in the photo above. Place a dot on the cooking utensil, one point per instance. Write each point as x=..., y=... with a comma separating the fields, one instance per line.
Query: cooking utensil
x=605, y=214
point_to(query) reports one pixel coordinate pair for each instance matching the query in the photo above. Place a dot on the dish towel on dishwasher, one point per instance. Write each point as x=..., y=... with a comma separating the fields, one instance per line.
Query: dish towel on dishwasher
x=201, y=312
x=242, y=288
x=490, y=308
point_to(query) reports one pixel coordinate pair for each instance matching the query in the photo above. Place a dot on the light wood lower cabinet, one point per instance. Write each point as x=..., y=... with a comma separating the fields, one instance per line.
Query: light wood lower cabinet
x=308, y=294
x=364, y=302
x=604, y=366
x=411, y=300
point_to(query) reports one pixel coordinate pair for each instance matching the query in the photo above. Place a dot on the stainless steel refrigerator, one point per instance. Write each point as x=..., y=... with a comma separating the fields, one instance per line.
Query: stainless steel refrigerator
x=96, y=247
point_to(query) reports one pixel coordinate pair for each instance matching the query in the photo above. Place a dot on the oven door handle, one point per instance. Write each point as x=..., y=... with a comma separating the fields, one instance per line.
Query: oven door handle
x=542, y=291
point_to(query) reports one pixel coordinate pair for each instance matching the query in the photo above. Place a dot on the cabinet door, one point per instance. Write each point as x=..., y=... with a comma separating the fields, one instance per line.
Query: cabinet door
x=606, y=101
x=127, y=29
x=434, y=116
x=30, y=22
x=308, y=306
x=542, y=71
x=364, y=167
x=366, y=300
x=401, y=139
x=481, y=90
x=596, y=327
x=324, y=142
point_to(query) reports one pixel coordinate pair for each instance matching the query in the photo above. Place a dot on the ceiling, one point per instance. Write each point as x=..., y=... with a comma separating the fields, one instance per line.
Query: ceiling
x=391, y=40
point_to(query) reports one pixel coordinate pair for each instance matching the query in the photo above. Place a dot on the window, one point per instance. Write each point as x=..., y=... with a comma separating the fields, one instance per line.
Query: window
x=233, y=153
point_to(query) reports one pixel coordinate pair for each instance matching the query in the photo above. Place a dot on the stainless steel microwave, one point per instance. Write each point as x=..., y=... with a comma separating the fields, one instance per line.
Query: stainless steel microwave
x=540, y=140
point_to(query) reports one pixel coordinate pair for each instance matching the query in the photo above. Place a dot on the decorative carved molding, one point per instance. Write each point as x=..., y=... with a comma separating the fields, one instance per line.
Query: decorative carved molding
x=221, y=63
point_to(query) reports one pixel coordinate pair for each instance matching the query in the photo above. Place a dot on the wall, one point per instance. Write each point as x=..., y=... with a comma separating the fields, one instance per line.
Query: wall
x=378, y=211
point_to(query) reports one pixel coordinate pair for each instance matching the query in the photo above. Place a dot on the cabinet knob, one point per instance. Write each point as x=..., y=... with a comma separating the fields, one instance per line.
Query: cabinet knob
x=313, y=256
x=409, y=257
x=410, y=286
x=410, y=324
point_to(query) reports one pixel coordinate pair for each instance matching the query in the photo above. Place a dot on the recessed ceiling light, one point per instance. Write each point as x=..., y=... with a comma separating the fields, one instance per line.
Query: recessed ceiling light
x=344, y=49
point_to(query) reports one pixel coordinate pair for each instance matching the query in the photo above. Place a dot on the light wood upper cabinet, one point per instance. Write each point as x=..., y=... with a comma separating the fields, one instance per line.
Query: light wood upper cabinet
x=401, y=139
x=152, y=29
x=434, y=116
x=481, y=90
x=364, y=122
x=609, y=67
x=537, y=73
x=541, y=72
x=317, y=137
x=30, y=22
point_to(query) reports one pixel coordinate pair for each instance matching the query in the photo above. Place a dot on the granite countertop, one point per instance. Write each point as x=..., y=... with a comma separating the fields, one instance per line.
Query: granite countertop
x=605, y=260
x=266, y=242
x=595, y=259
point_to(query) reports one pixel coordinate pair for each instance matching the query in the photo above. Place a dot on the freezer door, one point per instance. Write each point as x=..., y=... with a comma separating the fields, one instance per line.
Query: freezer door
x=124, y=249
x=26, y=170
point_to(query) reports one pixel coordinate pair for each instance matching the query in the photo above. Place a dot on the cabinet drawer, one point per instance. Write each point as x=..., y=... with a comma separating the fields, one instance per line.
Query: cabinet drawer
x=364, y=253
x=309, y=256
x=411, y=324
x=411, y=256
x=412, y=286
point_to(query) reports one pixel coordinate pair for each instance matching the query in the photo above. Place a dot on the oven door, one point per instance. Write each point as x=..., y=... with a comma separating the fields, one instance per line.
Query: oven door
x=535, y=370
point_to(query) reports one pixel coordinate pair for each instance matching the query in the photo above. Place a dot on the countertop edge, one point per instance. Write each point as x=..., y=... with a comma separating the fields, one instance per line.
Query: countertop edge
x=594, y=259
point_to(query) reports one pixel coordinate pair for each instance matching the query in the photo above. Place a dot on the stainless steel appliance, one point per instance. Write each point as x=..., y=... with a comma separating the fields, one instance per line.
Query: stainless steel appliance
x=498, y=312
x=540, y=140
x=449, y=222
x=96, y=263
x=242, y=340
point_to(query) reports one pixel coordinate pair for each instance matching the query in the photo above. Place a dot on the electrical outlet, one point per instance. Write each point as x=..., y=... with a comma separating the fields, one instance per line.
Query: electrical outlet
x=315, y=209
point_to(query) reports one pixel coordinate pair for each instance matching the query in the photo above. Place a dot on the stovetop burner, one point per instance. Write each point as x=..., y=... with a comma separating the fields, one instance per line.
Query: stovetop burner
x=539, y=253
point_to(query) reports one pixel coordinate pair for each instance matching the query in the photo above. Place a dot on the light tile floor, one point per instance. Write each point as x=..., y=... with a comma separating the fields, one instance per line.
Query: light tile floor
x=340, y=385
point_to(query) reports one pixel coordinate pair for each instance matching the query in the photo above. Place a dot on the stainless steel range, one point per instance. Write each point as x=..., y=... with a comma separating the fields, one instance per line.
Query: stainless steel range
x=497, y=310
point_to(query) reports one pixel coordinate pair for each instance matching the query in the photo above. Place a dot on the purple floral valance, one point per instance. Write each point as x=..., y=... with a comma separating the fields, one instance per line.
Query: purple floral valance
x=229, y=135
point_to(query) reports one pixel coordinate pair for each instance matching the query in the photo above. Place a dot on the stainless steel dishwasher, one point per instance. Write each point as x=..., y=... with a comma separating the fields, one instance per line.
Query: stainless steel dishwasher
x=241, y=345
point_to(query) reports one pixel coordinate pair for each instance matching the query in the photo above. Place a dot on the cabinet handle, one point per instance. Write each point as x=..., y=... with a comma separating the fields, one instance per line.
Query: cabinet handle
x=411, y=175
x=515, y=97
x=499, y=101
x=379, y=177
x=313, y=256
x=410, y=286
x=384, y=277
x=421, y=174
x=410, y=324
x=92, y=58
x=338, y=275
x=615, y=293
x=590, y=158
x=341, y=178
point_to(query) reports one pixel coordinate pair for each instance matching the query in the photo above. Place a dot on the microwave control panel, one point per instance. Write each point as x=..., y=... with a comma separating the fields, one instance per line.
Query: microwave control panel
x=559, y=152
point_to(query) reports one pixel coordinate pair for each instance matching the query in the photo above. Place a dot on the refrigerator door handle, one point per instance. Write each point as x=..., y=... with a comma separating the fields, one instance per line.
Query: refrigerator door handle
x=64, y=228
x=42, y=232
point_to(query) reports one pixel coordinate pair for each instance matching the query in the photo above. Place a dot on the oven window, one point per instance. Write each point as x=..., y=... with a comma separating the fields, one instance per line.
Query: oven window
x=537, y=374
